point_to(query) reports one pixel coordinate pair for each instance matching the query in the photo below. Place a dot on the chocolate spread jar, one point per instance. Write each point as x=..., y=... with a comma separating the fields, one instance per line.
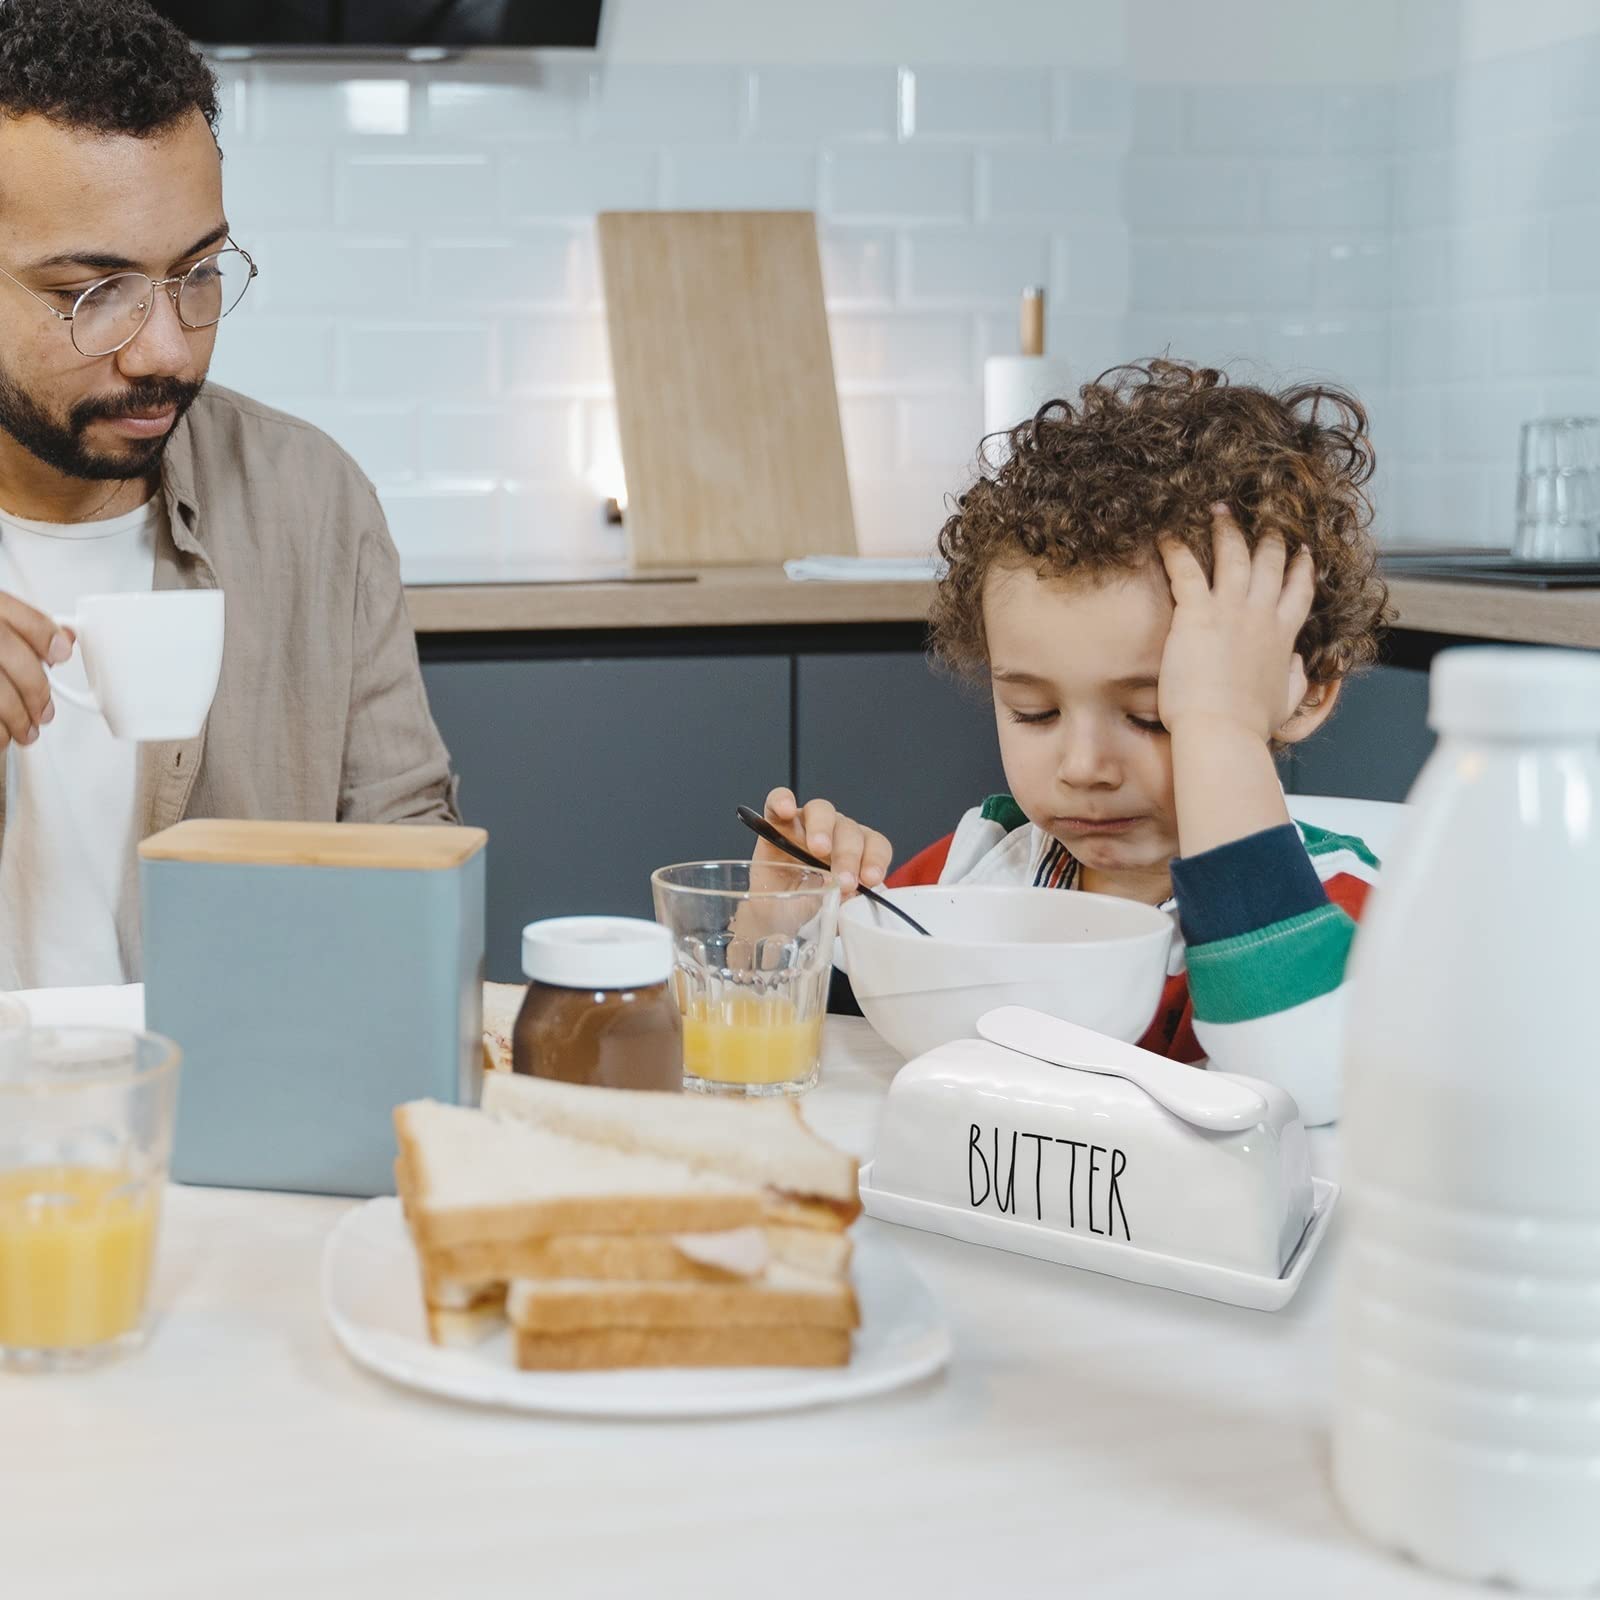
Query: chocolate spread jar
x=600, y=1007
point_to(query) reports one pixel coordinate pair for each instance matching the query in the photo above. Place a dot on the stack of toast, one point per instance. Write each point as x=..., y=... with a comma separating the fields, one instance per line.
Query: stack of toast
x=501, y=1003
x=614, y=1228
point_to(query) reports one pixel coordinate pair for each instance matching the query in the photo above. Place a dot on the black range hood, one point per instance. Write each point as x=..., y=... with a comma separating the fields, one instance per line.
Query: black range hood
x=388, y=26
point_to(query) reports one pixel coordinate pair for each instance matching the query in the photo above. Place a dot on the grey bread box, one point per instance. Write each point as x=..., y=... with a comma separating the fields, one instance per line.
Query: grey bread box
x=314, y=975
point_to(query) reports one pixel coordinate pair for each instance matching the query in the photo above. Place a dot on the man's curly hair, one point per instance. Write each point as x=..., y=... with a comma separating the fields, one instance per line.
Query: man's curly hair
x=1090, y=488
x=103, y=66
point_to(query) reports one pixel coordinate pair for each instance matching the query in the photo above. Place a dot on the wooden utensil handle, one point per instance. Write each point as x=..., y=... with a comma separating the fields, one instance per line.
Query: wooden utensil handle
x=1032, y=322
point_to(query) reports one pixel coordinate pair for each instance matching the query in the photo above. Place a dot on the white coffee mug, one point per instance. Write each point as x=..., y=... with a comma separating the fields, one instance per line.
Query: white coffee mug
x=152, y=660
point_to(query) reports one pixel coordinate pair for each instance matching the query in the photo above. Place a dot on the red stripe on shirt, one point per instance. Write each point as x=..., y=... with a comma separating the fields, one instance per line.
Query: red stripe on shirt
x=1348, y=892
x=924, y=867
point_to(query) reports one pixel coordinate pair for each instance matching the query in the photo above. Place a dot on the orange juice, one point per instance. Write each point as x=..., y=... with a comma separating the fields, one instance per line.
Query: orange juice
x=750, y=1040
x=75, y=1251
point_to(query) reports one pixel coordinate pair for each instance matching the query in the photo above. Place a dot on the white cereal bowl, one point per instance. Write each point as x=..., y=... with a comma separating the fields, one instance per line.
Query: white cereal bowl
x=1092, y=959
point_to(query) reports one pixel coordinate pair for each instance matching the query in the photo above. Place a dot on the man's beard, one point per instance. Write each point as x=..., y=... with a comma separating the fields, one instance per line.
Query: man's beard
x=61, y=444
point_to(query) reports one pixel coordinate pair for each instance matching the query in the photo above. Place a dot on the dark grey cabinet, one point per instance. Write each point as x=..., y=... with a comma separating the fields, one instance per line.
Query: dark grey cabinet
x=1375, y=743
x=894, y=743
x=589, y=774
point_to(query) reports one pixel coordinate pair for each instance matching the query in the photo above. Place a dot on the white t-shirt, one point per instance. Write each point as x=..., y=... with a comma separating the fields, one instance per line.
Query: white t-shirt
x=71, y=796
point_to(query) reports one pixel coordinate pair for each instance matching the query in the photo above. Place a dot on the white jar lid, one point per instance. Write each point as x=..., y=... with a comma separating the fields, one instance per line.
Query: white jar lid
x=597, y=952
x=1507, y=693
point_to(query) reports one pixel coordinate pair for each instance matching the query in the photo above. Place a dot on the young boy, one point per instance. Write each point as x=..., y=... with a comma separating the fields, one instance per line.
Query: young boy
x=1163, y=585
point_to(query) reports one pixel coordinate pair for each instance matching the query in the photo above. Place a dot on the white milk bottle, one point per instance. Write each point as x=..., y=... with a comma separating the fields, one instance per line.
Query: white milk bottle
x=1467, y=1418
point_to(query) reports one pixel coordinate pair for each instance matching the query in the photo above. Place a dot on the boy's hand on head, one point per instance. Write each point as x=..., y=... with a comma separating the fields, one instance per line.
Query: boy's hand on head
x=857, y=855
x=1230, y=657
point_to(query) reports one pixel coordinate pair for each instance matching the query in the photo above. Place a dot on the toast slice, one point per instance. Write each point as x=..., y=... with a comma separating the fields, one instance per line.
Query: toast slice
x=762, y=1142
x=470, y=1269
x=462, y=1326
x=465, y=1177
x=593, y=1349
x=609, y=1257
x=782, y=1299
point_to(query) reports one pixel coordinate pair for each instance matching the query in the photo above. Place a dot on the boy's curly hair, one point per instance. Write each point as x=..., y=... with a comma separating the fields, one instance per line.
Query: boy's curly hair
x=1144, y=454
x=105, y=66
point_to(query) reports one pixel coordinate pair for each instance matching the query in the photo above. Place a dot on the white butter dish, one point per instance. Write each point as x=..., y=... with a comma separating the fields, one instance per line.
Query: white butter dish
x=1185, y=1180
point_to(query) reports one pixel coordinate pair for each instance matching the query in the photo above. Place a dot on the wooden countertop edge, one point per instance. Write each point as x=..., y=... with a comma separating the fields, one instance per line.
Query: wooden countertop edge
x=764, y=597
x=737, y=597
x=1482, y=611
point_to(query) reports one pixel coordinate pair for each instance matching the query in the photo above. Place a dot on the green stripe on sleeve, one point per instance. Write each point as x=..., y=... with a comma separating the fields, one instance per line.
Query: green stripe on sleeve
x=1324, y=842
x=1270, y=969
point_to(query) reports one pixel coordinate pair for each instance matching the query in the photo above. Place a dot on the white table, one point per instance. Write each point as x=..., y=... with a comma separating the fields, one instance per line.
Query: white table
x=1094, y=1436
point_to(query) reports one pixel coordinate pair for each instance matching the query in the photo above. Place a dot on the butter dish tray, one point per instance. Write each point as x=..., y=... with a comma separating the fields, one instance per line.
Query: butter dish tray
x=1049, y=1140
x=1253, y=1291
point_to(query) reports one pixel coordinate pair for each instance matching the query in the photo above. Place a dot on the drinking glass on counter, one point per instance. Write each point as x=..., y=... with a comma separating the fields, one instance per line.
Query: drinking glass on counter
x=1558, y=494
x=753, y=952
x=86, y=1116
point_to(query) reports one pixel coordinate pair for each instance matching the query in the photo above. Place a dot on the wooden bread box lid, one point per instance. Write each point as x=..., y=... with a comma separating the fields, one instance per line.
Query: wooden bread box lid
x=398, y=847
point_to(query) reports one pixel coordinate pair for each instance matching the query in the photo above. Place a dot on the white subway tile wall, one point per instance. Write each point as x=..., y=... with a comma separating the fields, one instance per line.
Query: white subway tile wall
x=1495, y=306
x=430, y=291
x=1260, y=233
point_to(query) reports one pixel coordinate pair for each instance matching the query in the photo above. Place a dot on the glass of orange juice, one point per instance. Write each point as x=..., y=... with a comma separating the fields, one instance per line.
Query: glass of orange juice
x=754, y=952
x=86, y=1118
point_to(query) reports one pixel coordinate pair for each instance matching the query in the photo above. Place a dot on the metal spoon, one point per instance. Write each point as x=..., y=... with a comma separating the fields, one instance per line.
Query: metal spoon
x=759, y=825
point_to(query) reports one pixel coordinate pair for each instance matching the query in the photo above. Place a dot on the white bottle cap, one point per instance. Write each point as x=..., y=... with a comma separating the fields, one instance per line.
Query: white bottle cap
x=1507, y=693
x=597, y=952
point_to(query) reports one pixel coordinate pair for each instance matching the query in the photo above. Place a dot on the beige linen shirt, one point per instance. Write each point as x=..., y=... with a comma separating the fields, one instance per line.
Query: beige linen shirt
x=320, y=713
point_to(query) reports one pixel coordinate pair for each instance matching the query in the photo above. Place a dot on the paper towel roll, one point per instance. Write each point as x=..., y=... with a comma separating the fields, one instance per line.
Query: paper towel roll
x=1014, y=387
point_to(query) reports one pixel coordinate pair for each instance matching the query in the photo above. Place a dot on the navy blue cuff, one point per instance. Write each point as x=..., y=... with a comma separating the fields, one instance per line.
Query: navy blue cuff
x=1244, y=886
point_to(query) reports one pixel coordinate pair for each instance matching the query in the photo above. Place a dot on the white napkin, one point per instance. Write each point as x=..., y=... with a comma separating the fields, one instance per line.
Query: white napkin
x=864, y=569
x=111, y=1005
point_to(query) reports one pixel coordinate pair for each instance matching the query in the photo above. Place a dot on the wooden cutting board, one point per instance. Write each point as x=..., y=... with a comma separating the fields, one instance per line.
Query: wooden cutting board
x=726, y=406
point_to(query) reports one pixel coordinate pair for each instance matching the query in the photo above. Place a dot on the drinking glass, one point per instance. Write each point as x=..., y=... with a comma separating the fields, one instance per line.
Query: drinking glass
x=86, y=1118
x=753, y=945
x=1558, y=494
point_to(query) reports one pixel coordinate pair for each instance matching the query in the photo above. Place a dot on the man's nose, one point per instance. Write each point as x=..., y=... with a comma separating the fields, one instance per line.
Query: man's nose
x=161, y=346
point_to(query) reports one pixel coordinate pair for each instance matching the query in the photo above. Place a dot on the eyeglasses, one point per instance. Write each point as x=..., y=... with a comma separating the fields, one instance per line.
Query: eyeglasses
x=110, y=314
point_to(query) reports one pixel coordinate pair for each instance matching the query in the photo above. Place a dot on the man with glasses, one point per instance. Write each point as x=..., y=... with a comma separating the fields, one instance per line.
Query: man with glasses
x=120, y=471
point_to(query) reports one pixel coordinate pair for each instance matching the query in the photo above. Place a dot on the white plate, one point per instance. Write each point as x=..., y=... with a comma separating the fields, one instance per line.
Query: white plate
x=373, y=1301
x=1211, y=1282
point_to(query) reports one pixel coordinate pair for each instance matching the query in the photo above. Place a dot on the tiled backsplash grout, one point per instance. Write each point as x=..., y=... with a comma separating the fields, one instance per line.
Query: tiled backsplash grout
x=431, y=295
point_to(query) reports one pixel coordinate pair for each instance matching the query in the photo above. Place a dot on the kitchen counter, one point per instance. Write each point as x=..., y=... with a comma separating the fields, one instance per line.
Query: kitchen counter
x=764, y=597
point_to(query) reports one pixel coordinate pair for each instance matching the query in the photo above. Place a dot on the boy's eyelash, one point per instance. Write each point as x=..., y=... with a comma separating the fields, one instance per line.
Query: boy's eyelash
x=1035, y=718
